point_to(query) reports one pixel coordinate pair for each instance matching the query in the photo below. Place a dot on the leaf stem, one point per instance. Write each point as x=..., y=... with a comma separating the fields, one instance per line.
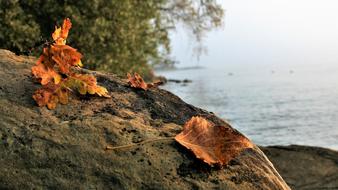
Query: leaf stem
x=138, y=144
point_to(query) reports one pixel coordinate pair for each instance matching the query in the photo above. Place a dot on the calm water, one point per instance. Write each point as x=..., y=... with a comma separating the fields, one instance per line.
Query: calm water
x=272, y=105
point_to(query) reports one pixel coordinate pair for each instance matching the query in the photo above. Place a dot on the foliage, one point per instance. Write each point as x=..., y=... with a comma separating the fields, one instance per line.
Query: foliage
x=117, y=36
x=55, y=71
x=137, y=81
x=18, y=29
x=213, y=144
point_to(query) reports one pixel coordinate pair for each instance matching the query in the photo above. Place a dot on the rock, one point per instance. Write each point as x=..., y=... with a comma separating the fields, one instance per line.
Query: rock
x=305, y=167
x=65, y=148
x=179, y=81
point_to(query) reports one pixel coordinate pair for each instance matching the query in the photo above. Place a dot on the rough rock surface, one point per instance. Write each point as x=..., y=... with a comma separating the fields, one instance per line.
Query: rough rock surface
x=65, y=148
x=304, y=167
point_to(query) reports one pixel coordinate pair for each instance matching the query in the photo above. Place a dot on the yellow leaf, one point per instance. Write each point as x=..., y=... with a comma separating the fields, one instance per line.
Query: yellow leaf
x=82, y=88
x=57, y=79
x=56, y=34
x=60, y=34
x=79, y=63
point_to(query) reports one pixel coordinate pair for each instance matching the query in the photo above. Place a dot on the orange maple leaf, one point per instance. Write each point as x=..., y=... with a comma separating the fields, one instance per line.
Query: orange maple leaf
x=45, y=74
x=210, y=143
x=46, y=58
x=137, y=81
x=54, y=70
x=50, y=95
x=65, y=57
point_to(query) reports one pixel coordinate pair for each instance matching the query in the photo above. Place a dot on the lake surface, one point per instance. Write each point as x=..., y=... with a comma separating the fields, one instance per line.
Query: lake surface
x=272, y=105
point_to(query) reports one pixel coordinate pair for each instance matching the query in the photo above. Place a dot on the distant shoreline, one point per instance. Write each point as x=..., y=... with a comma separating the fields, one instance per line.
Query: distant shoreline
x=177, y=68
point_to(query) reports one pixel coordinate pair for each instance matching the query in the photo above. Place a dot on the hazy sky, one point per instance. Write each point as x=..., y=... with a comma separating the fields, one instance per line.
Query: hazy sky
x=268, y=32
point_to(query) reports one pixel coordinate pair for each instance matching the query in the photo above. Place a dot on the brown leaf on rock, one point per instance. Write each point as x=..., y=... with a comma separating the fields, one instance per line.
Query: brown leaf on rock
x=49, y=95
x=137, y=81
x=212, y=144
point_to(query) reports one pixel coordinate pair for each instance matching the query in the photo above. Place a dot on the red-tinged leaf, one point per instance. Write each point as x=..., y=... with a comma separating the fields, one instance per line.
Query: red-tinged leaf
x=53, y=100
x=210, y=143
x=54, y=70
x=65, y=57
x=42, y=96
x=46, y=74
x=137, y=81
x=49, y=95
x=46, y=58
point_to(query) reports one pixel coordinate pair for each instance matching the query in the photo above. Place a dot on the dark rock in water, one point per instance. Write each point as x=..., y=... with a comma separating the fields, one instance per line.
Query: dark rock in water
x=305, y=167
x=65, y=148
x=179, y=81
x=187, y=81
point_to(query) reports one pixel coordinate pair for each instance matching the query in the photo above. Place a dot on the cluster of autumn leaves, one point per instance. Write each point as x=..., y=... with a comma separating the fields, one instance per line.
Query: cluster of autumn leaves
x=56, y=70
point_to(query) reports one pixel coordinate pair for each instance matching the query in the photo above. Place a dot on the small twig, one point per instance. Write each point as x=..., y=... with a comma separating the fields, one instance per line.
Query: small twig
x=41, y=43
x=137, y=144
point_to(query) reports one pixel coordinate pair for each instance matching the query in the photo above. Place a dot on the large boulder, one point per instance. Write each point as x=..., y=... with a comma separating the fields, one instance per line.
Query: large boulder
x=65, y=148
x=305, y=167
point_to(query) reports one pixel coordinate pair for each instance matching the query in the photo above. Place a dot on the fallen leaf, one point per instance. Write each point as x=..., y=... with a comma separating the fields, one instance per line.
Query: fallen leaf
x=137, y=81
x=86, y=84
x=50, y=94
x=210, y=143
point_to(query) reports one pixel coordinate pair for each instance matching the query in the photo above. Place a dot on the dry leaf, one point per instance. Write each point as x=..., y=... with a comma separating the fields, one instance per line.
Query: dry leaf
x=50, y=95
x=86, y=84
x=45, y=74
x=54, y=71
x=213, y=144
x=137, y=81
x=65, y=57
x=60, y=34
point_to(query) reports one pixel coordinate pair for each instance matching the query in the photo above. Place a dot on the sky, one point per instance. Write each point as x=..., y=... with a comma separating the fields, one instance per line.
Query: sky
x=294, y=32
